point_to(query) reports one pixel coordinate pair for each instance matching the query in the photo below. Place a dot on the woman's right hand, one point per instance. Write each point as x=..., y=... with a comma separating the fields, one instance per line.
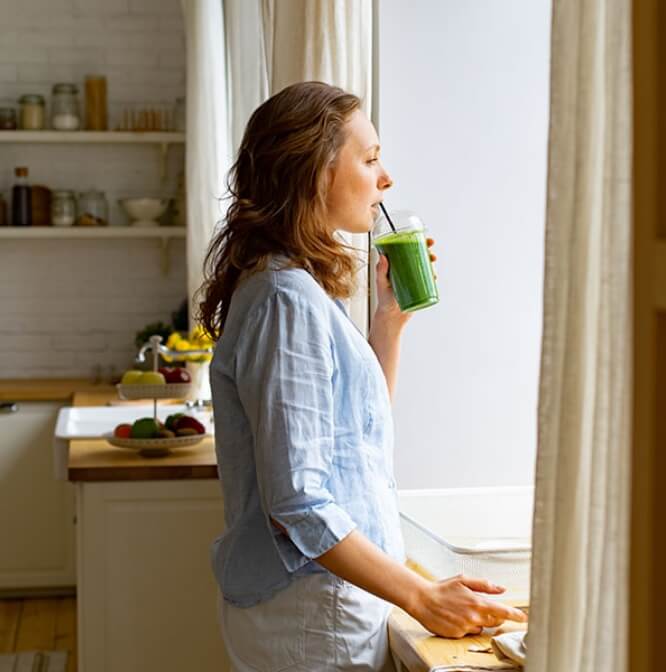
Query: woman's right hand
x=453, y=607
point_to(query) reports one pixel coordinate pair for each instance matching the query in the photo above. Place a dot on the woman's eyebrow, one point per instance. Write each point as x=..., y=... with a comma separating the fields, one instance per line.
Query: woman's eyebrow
x=377, y=147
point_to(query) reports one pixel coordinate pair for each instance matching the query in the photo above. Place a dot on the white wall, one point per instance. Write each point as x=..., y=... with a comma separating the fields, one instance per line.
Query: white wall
x=463, y=106
x=66, y=306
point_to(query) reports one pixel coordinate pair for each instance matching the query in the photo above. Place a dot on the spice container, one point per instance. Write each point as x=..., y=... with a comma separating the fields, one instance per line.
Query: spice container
x=93, y=209
x=33, y=112
x=21, y=199
x=40, y=205
x=63, y=208
x=7, y=118
x=65, y=114
x=96, y=116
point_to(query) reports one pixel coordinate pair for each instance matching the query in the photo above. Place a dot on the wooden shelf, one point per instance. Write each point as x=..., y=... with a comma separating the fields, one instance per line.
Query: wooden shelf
x=53, y=232
x=92, y=137
x=163, y=234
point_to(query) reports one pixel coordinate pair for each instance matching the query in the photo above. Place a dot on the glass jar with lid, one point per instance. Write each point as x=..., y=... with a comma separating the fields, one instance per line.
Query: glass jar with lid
x=7, y=118
x=33, y=112
x=63, y=208
x=93, y=209
x=65, y=114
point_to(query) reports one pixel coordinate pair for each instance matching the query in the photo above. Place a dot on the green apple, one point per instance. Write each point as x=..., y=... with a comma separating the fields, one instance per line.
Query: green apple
x=131, y=377
x=152, y=378
x=145, y=428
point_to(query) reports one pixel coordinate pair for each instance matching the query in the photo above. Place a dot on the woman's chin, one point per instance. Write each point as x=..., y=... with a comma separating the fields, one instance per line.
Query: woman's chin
x=358, y=229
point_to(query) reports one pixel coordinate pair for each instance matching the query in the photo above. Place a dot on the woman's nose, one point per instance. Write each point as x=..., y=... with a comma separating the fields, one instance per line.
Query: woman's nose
x=385, y=181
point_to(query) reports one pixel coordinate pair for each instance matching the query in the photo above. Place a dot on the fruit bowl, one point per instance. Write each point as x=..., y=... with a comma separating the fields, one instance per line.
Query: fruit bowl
x=144, y=211
x=155, y=447
x=164, y=391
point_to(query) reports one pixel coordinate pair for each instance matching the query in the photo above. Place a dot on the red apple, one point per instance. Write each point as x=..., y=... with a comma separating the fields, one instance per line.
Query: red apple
x=123, y=431
x=188, y=422
x=166, y=371
x=175, y=374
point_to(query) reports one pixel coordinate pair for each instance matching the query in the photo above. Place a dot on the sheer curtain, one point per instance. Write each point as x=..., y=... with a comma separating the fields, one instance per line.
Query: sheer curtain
x=208, y=146
x=579, y=598
x=272, y=44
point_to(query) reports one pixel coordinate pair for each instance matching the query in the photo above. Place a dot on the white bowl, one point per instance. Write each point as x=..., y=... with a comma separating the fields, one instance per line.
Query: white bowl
x=144, y=211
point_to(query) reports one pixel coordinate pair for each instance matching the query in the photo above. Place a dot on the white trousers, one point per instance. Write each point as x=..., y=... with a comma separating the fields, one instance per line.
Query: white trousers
x=319, y=623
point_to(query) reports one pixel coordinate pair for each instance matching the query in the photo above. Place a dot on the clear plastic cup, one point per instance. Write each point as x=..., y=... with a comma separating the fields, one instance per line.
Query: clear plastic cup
x=410, y=269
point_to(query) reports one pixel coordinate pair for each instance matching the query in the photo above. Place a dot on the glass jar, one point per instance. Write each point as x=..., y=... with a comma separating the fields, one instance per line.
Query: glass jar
x=7, y=118
x=65, y=115
x=33, y=112
x=63, y=208
x=96, y=113
x=93, y=209
x=21, y=198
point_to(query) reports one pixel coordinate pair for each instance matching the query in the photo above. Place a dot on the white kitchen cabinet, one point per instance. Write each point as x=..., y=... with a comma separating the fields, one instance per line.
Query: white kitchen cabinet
x=147, y=598
x=36, y=511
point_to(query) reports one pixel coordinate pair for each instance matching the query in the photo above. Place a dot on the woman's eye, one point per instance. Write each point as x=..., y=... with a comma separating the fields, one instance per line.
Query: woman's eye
x=372, y=160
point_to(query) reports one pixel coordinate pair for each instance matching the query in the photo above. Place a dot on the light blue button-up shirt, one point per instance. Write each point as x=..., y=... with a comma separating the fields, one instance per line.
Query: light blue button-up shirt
x=303, y=434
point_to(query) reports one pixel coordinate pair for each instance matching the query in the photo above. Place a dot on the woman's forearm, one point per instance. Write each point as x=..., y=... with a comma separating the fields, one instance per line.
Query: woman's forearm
x=359, y=561
x=452, y=608
x=384, y=339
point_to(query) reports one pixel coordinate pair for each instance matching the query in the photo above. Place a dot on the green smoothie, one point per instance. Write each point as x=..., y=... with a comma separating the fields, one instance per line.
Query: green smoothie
x=410, y=269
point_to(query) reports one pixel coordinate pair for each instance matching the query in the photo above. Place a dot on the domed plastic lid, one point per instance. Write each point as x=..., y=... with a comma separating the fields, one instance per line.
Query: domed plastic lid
x=31, y=99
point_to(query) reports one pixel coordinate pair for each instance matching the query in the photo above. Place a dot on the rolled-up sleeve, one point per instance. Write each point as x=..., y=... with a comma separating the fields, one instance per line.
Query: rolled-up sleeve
x=284, y=376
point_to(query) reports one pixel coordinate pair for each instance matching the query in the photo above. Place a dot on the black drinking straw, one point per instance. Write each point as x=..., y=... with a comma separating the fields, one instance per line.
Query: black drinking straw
x=381, y=205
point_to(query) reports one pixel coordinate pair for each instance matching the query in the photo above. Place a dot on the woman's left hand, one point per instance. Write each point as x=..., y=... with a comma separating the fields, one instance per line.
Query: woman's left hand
x=387, y=306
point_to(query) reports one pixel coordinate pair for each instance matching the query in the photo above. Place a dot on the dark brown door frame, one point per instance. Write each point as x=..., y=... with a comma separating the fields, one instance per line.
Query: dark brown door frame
x=647, y=615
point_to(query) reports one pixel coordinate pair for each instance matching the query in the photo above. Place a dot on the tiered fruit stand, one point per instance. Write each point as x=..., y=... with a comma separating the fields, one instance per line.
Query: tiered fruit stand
x=156, y=447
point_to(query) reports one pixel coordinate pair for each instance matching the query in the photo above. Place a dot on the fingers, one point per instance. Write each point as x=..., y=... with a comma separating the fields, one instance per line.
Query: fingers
x=507, y=613
x=430, y=242
x=382, y=270
x=491, y=615
x=480, y=585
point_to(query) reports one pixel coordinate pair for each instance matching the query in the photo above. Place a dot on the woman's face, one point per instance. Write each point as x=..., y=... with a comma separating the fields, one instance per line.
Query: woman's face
x=358, y=179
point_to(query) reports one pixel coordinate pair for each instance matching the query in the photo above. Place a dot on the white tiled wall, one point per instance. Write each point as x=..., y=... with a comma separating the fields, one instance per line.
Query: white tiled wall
x=68, y=305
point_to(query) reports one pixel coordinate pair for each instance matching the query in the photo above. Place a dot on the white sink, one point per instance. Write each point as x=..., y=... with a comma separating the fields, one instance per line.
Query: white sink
x=92, y=422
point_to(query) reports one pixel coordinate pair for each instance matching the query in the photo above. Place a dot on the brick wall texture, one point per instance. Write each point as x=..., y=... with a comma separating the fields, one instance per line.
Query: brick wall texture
x=68, y=307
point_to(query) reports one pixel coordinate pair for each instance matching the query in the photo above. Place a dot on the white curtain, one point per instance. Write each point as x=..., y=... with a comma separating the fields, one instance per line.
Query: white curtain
x=208, y=146
x=274, y=43
x=579, y=597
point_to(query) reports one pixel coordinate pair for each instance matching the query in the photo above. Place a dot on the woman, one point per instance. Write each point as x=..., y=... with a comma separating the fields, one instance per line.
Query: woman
x=312, y=556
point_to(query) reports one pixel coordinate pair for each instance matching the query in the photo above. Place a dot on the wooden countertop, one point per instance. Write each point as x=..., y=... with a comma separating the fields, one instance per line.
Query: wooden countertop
x=421, y=651
x=47, y=389
x=97, y=460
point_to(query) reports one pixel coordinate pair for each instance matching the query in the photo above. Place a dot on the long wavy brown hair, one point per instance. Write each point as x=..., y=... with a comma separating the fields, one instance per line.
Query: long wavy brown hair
x=278, y=188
